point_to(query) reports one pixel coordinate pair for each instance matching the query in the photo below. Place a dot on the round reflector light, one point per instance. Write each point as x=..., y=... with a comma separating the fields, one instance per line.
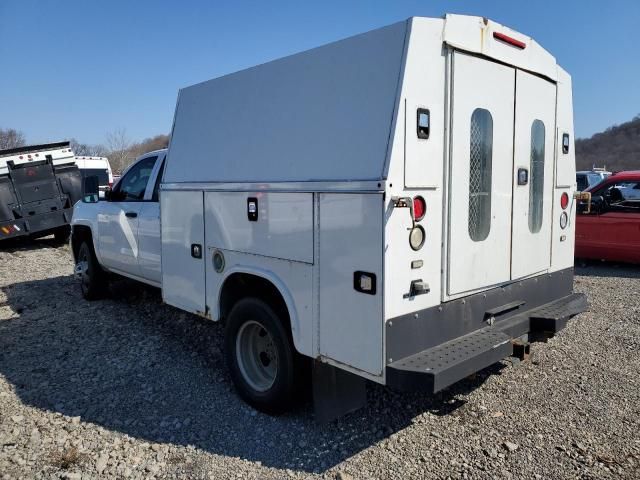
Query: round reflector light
x=416, y=237
x=419, y=208
x=564, y=219
x=564, y=200
x=218, y=261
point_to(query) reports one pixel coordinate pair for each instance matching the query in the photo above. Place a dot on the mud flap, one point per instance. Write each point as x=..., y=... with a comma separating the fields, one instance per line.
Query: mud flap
x=336, y=392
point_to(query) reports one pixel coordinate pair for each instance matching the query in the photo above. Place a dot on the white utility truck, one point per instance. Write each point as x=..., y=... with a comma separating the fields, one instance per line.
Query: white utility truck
x=99, y=167
x=394, y=207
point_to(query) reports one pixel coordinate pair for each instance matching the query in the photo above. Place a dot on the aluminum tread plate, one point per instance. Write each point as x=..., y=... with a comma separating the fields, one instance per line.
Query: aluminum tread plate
x=553, y=317
x=443, y=365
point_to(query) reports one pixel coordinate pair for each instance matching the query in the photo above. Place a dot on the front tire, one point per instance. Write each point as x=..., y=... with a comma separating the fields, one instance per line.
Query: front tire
x=263, y=363
x=93, y=280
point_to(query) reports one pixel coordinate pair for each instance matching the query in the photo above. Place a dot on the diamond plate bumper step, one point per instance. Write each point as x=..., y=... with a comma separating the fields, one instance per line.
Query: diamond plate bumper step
x=553, y=317
x=436, y=368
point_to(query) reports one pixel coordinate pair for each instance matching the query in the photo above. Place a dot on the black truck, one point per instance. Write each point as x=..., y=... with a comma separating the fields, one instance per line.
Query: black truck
x=39, y=184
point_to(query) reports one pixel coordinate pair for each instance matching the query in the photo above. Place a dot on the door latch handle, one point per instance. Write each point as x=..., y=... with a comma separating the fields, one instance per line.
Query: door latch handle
x=131, y=214
x=196, y=250
x=523, y=176
x=405, y=202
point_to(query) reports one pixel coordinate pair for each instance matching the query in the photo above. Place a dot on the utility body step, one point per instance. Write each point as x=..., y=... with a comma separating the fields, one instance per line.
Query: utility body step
x=436, y=368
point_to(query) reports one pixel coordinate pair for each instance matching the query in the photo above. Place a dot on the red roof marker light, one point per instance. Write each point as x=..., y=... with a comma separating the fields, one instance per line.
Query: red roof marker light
x=510, y=40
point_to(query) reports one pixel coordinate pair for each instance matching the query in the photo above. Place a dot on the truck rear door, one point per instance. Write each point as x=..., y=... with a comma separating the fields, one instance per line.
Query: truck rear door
x=480, y=177
x=534, y=135
x=501, y=174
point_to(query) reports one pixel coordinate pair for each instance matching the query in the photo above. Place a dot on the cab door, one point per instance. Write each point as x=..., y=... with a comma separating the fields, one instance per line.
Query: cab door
x=118, y=221
x=149, y=229
x=480, y=185
x=533, y=159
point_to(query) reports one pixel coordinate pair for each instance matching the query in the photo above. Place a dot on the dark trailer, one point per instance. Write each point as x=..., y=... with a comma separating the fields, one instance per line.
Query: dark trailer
x=39, y=184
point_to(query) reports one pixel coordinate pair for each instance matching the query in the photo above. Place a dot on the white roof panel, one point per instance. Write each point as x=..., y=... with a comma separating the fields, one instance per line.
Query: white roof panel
x=324, y=114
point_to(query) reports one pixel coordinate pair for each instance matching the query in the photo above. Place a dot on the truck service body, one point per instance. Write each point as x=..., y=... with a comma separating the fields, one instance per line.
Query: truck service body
x=401, y=193
x=39, y=185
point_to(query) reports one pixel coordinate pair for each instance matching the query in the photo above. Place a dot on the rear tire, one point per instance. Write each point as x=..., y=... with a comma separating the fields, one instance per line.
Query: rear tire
x=264, y=366
x=62, y=234
x=93, y=280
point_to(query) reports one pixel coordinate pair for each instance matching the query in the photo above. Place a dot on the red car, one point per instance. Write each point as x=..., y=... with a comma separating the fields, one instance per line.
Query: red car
x=611, y=231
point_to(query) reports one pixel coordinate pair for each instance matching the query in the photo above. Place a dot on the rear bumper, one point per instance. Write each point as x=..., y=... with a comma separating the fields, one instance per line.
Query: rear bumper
x=440, y=364
x=35, y=224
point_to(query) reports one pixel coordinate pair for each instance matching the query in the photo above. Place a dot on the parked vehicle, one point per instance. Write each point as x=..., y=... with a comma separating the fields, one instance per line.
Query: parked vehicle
x=608, y=227
x=99, y=167
x=38, y=186
x=337, y=205
x=586, y=179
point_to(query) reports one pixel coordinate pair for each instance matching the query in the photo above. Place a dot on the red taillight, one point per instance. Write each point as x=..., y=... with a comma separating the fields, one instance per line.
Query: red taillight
x=510, y=40
x=419, y=208
x=564, y=200
x=110, y=184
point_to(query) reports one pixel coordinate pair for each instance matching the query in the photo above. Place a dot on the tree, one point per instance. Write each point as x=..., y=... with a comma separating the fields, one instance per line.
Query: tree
x=11, y=138
x=119, y=148
x=86, y=150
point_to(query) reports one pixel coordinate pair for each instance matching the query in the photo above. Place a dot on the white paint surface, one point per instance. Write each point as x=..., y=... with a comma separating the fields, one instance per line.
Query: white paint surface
x=473, y=264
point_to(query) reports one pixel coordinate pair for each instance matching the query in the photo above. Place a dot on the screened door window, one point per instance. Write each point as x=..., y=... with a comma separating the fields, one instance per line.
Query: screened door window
x=536, y=181
x=480, y=174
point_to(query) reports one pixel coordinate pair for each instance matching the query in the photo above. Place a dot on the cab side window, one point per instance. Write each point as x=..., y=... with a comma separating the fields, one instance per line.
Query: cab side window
x=132, y=186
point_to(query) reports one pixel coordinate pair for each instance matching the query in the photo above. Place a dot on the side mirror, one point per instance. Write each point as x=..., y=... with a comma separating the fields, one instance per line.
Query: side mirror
x=108, y=193
x=91, y=189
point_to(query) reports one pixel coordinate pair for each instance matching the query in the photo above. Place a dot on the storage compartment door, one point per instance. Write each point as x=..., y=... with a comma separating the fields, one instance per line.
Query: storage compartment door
x=533, y=163
x=480, y=183
x=183, y=273
x=351, y=241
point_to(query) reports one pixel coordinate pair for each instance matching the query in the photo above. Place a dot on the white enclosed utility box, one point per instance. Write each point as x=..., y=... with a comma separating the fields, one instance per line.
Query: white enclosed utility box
x=394, y=199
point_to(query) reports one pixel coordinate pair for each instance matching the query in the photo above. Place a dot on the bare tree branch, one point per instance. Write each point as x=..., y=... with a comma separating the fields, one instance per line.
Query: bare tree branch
x=11, y=138
x=119, y=145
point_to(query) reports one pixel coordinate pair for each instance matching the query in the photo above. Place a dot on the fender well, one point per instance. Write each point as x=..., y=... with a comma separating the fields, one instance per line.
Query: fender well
x=238, y=285
x=79, y=235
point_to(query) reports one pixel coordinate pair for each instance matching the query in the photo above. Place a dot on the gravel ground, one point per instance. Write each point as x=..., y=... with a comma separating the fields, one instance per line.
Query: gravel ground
x=129, y=387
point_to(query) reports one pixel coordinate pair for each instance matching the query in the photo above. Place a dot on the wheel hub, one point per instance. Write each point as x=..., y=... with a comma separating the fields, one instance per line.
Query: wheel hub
x=256, y=356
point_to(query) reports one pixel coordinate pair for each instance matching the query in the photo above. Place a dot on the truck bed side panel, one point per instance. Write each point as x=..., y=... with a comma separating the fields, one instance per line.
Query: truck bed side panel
x=182, y=225
x=281, y=228
x=351, y=241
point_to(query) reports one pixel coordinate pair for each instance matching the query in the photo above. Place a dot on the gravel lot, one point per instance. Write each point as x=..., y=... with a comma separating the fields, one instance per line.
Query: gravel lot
x=129, y=387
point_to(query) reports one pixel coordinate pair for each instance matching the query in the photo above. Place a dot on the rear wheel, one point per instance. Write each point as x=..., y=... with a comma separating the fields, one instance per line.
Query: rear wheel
x=93, y=280
x=264, y=365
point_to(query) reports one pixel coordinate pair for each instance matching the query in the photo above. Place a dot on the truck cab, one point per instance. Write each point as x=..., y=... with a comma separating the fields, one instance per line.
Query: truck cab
x=123, y=230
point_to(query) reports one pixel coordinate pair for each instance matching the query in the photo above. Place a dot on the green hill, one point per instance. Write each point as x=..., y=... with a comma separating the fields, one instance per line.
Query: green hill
x=617, y=148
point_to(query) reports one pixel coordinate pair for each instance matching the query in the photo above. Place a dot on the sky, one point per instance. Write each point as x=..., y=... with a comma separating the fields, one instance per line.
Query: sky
x=85, y=68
